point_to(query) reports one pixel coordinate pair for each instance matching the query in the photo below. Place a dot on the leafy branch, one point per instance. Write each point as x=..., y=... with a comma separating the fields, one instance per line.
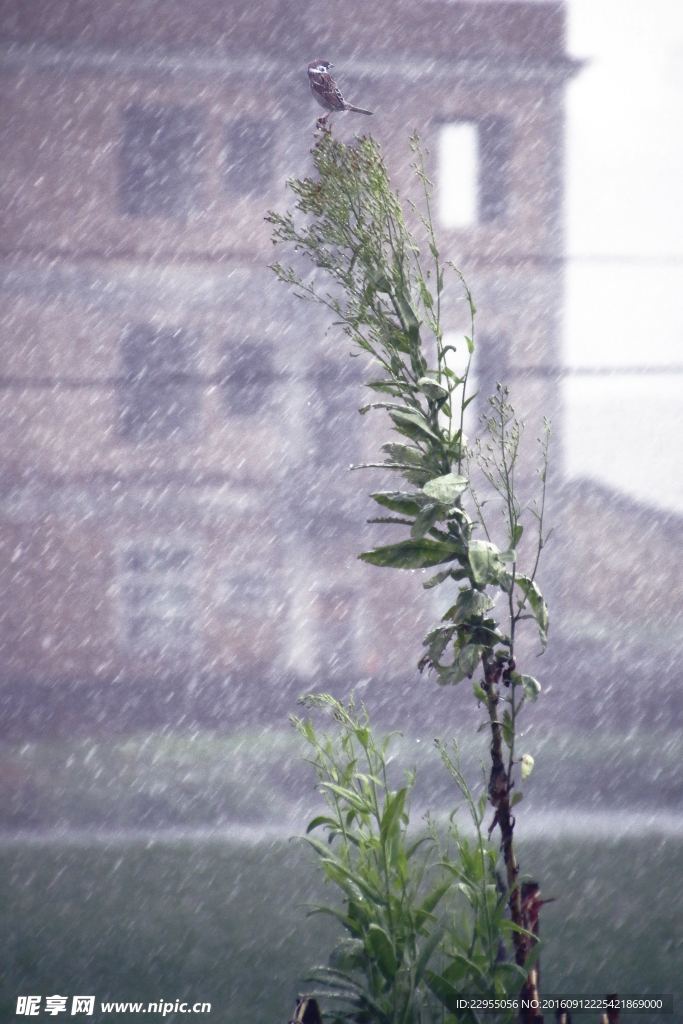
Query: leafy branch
x=421, y=925
x=349, y=224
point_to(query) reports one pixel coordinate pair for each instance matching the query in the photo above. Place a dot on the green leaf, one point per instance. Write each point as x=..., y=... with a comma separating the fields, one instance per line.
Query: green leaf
x=379, y=281
x=350, y=796
x=428, y=949
x=508, y=731
x=409, y=317
x=464, y=664
x=424, y=521
x=392, y=813
x=348, y=955
x=455, y=971
x=449, y=373
x=479, y=693
x=505, y=582
x=532, y=687
x=505, y=924
x=470, y=345
x=446, y=489
x=418, y=477
x=397, y=339
x=308, y=731
x=527, y=766
x=444, y=992
x=487, y=565
x=391, y=519
x=432, y=901
x=387, y=387
x=322, y=820
x=413, y=425
x=410, y=554
x=518, y=797
x=412, y=850
x=469, y=657
x=404, y=454
x=468, y=604
x=349, y=881
x=408, y=503
x=383, y=951
x=538, y=606
x=435, y=580
x=438, y=640
x=432, y=389
x=358, y=914
x=335, y=979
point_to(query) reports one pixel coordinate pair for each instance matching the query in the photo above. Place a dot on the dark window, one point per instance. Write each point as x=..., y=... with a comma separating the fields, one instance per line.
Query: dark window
x=157, y=596
x=159, y=393
x=248, y=157
x=491, y=366
x=495, y=145
x=160, y=161
x=333, y=403
x=247, y=377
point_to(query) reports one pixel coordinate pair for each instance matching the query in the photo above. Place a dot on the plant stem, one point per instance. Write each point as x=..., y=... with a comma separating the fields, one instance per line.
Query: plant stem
x=499, y=795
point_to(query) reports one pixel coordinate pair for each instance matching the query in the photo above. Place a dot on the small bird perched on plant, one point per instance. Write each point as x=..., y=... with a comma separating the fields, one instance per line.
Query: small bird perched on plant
x=327, y=92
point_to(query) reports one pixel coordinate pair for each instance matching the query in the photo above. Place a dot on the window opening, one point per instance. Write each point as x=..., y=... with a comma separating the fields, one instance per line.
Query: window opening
x=159, y=395
x=161, y=161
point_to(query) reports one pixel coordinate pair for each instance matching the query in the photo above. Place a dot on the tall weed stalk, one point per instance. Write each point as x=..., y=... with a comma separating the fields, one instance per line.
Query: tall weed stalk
x=387, y=296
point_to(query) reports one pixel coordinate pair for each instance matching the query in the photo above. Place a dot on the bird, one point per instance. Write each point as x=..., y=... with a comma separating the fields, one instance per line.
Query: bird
x=327, y=92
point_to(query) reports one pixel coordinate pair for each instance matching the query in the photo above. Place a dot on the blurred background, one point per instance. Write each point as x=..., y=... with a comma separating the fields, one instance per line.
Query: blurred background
x=622, y=328
x=178, y=529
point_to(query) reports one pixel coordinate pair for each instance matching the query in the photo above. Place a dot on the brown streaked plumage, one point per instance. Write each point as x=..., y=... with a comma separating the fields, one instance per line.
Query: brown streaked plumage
x=326, y=90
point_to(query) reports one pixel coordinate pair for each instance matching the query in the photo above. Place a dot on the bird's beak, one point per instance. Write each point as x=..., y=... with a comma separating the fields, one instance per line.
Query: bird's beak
x=330, y=65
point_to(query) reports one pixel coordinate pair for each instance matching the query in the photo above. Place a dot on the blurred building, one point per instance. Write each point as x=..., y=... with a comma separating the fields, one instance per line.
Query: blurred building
x=178, y=535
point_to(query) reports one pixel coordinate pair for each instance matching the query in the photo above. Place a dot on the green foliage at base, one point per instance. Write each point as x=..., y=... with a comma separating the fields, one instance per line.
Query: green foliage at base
x=425, y=917
x=224, y=922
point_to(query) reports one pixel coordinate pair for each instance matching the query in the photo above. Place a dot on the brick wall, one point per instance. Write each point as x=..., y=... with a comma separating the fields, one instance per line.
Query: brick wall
x=172, y=500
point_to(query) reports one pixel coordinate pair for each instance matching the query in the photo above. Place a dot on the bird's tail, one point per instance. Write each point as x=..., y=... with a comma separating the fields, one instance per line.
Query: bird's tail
x=357, y=110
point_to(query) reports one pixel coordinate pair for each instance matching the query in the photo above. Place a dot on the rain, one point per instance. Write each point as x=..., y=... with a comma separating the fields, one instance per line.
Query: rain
x=179, y=525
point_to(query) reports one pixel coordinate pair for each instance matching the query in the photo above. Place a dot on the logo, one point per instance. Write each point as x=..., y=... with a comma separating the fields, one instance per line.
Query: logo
x=29, y=1006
